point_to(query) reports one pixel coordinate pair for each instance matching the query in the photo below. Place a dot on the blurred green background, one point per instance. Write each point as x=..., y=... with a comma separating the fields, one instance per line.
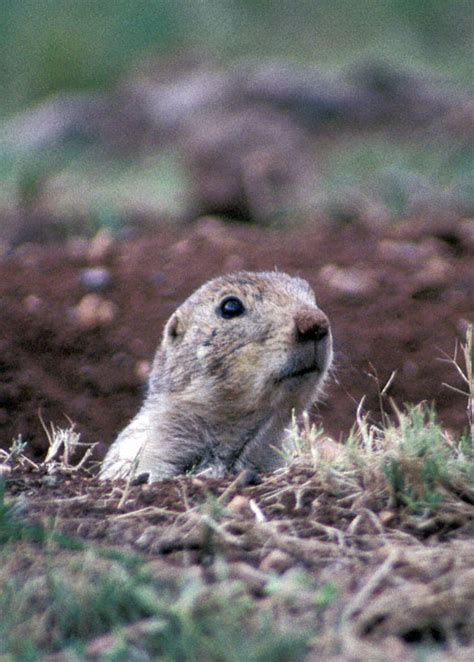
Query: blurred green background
x=49, y=46
x=52, y=45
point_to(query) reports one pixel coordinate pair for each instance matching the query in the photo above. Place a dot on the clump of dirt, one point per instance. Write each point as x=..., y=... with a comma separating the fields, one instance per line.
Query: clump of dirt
x=80, y=321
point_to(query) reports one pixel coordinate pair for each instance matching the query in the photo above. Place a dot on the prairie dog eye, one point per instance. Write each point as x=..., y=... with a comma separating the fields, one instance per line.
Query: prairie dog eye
x=231, y=307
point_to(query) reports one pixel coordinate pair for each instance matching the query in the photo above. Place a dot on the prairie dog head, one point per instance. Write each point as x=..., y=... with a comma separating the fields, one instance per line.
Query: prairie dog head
x=245, y=341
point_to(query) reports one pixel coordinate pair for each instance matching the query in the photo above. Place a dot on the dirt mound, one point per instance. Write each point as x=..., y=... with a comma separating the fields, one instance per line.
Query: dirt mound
x=79, y=322
x=385, y=581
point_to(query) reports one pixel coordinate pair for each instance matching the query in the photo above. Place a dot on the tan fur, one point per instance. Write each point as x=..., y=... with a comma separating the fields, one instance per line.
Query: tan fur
x=221, y=391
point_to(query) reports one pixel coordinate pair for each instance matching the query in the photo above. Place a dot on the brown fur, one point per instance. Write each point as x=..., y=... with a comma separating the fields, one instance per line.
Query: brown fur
x=222, y=391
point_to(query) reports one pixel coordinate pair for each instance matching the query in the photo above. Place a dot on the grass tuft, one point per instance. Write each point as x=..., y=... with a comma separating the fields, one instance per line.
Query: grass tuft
x=69, y=603
x=411, y=464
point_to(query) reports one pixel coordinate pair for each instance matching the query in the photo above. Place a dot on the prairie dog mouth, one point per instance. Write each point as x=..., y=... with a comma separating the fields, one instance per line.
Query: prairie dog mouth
x=301, y=372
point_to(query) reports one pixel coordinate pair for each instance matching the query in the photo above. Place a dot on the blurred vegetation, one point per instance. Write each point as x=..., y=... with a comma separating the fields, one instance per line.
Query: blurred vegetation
x=55, y=44
x=399, y=177
x=60, y=45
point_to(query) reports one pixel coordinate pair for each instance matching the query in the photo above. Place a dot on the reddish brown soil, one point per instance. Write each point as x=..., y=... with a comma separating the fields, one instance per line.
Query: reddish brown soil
x=398, y=300
x=406, y=315
x=214, y=530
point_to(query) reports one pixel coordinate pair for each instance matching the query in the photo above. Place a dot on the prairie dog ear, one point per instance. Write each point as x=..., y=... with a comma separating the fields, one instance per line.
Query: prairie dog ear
x=175, y=328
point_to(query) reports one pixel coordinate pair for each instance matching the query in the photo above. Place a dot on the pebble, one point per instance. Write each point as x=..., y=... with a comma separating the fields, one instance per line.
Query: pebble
x=433, y=273
x=254, y=579
x=386, y=516
x=329, y=450
x=5, y=470
x=276, y=561
x=405, y=251
x=239, y=505
x=216, y=233
x=351, y=282
x=93, y=310
x=101, y=246
x=142, y=370
x=32, y=303
x=211, y=227
x=95, y=279
x=182, y=248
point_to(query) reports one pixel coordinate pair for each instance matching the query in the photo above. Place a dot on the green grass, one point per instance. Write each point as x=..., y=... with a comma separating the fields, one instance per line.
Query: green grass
x=58, y=602
x=54, y=597
x=397, y=175
x=410, y=464
x=52, y=600
x=423, y=464
x=56, y=45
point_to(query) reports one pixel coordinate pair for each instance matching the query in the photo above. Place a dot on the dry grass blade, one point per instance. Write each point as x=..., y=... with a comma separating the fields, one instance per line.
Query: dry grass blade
x=466, y=373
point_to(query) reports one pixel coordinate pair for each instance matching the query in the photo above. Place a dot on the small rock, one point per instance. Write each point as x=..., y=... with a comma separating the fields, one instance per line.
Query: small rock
x=142, y=370
x=198, y=482
x=386, y=516
x=216, y=232
x=182, y=248
x=352, y=282
x=405, y=251
x=211, y=227
x=254, y=579
x=239, y=505
x=93, y=310
x=393, y=643
x=32, y=303
x=433, y=274
x=276, y=561
x=141, y=479
x=5, y=470
x=51, y=480
x=149, y=492
x=95, y=279
x=101, y=246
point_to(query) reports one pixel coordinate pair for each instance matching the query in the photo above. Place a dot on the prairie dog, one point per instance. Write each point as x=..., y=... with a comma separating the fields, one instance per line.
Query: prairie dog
x=236, y=358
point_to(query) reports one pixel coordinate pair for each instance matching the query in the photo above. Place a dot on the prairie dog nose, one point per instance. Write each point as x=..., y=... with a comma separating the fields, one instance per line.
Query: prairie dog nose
x=311, y=324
